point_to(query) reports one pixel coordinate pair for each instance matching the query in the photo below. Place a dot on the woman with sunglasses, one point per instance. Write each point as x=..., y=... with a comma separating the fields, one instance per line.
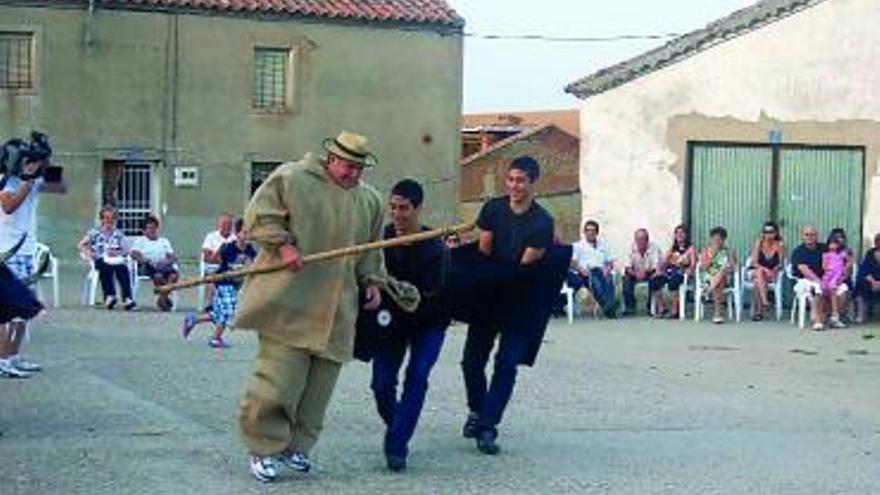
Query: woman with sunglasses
x=766, y=262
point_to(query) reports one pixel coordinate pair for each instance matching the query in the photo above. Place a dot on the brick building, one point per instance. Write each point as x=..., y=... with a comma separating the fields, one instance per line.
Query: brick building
x=483, y=173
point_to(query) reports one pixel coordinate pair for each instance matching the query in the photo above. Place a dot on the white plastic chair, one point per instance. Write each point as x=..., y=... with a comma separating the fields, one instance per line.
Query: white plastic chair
x=201, y=289
x=90, y=284
x=686, y=286
x=732, y=294
x=748, y=283
x=800, y=301
x=568, y=292
x=138, y=276
x=43, y=250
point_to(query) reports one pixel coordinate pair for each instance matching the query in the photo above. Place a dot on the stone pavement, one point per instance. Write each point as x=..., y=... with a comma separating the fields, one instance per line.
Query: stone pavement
x=619, y=407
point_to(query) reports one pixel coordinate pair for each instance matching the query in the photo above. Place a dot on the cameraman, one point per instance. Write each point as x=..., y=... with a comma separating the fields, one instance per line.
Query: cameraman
x=22, y=181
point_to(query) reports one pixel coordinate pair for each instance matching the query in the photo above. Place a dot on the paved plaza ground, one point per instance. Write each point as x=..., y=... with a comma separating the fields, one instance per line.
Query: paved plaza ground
x=620, y=407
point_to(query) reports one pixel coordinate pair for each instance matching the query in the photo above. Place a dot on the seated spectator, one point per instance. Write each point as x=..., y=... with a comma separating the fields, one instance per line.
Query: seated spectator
x=806, y=261
x=717, y=264
x=645, y=260
x=107, y=249
x=767, y=260
x=839, y=234
x=156, y=256
x=834, y=262
x=592, y=266
x=680, y=260
x=868, y=282
x=211, y=250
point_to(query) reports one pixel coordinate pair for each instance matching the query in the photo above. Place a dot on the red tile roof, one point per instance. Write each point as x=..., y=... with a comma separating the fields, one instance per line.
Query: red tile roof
x=436, y=12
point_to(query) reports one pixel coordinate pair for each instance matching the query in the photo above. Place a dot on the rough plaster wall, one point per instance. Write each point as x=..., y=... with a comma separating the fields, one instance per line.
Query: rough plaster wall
x=401, y=88
x=820, y=65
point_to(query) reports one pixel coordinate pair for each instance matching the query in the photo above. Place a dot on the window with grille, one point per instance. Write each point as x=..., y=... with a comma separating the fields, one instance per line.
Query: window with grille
x=259, y=172
x=16, y=60
x=128, y=187
x=271, y=78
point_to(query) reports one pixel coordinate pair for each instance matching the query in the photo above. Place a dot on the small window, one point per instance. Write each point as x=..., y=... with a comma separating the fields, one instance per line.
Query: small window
x=271, y=78
x=16, y=60
x=259, y=172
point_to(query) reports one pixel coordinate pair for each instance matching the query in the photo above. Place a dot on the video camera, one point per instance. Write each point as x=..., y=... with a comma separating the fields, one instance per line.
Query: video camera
x=15, y=152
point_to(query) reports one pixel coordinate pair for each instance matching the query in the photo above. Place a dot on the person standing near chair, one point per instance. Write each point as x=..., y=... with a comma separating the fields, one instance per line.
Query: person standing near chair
x=767, y=259
x=20, y=185
x=717, y=265
x=420, y=334
x=305, y=316
x=806, y=261
x=512, y=229
x=679, y=262
x=644, y=266
x=106, y=247
x=592, y=266
x=156, y=257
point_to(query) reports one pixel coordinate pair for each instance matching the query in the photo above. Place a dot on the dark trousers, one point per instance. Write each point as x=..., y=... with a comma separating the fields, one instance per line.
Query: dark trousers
x=654, y=282
x=488, y=400
x=599, y=285
x=401, y=416
x=107, y=272
x=864, y=290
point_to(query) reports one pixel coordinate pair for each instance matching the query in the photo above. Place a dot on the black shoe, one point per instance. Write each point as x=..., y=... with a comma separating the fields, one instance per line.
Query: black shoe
x=396, y=463
x=486, y=442
x=470, y=426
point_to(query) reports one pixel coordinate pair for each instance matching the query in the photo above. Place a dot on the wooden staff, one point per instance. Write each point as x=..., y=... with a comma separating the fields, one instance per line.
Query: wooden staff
x=318, y=257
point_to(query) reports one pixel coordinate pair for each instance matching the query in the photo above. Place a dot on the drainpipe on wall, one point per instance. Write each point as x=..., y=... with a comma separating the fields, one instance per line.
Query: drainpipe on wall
x=89, y=35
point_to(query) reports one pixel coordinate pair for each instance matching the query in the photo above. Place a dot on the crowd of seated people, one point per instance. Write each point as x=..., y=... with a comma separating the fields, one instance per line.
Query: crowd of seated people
x=833, y=280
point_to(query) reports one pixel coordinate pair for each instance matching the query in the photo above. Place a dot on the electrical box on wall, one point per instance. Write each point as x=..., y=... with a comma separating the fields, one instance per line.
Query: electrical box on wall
x=186, y=177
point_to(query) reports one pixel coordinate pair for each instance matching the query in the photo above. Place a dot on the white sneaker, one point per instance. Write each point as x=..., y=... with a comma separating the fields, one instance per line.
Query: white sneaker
x=8, y=370
x=25, y=365
x=264, y=469
x=297, y=461
x=834, y=322
x=818, y=327
x=110, y=302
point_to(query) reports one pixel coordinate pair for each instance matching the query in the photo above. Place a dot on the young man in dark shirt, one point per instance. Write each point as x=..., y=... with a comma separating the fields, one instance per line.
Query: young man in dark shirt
x=512, y=229
x=868, y=282
x=421, y=333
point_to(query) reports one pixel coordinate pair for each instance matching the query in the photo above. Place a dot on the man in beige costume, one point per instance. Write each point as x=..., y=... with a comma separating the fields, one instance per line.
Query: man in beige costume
x=305, y=316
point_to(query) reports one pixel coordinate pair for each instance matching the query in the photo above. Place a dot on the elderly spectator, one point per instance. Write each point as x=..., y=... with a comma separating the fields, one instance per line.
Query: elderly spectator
x=645, y=265
x=156, y=257
x=211, y=250
x=107, y=249
x=806, y=261
x=717, y=263
x=680, y=260
x=767, y=259
x=592, y=266
x=868, y=282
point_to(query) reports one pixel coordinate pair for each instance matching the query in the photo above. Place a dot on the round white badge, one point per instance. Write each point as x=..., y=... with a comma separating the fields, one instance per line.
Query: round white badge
x=383, y=318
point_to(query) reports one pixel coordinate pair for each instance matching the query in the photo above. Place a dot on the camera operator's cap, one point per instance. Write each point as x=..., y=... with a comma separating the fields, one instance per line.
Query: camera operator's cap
x=38, y=148
x=352, y=147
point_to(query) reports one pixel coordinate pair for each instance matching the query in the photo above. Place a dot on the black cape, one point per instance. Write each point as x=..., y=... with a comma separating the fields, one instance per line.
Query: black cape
x=486, y=293
x=17, y=300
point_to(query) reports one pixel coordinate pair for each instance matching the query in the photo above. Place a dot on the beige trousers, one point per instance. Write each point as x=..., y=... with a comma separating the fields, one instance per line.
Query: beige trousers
x=286, y=399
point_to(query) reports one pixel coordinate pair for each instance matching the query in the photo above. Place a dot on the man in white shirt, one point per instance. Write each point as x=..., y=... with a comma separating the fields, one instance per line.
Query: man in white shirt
x=645, y=263
x=211, y=249
x=156, y=258
x=592, y=266
x=20, y=183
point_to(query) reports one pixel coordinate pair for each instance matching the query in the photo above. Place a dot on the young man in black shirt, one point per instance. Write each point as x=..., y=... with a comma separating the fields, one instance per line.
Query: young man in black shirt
x=421, y=333
x=512, y=229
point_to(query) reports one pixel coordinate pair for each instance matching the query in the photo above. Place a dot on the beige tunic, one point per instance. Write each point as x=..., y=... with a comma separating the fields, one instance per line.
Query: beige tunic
x=314, y=309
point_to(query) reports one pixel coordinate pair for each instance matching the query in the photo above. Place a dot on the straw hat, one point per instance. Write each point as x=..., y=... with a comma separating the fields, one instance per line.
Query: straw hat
x=352, y=147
